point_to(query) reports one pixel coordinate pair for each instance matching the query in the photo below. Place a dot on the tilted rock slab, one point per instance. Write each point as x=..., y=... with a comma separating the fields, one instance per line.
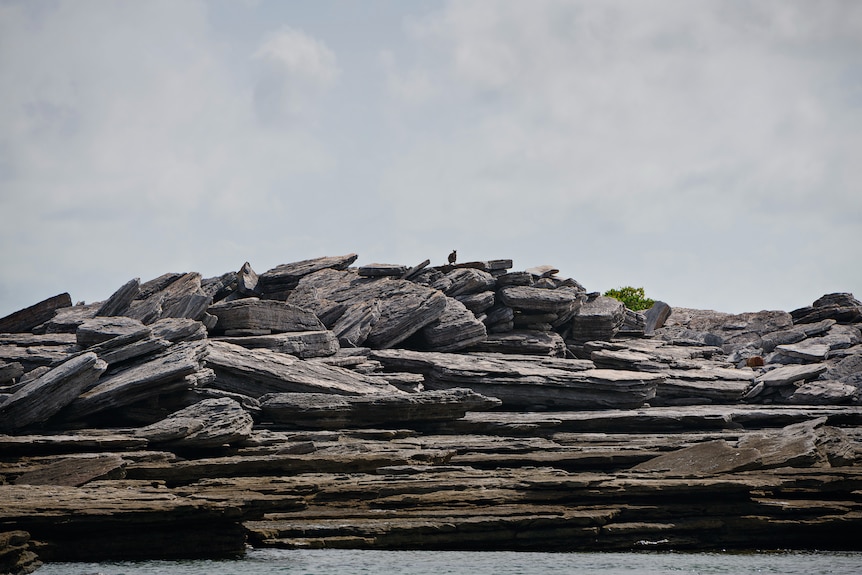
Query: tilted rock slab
x=401, y=307
x=208, y=423
x=256, y=372
x=43, y=397
x=281, y=279
x=325, y=411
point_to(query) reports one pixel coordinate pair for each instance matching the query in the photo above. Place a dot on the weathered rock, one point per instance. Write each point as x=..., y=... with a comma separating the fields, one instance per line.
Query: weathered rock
x=67, y=319
x=465, y=281
x=793, y=446
x=656, y=316
x=170, y=295
x=302, y=344
x=101, y=329
x=129, y=346
x=523, y=342
x=404, y=307
x=256, y=372
x=10, y=371
x=841, y=307
x=707, y=458
x=179, y=329
x=208, y=423
x=40, y=399
x=161, y=374
x=16, y=557
x=527, y=385
x=326, y=411
x=76, y=471
x=414, y=271
x=457, y=328
x=598, y=319
x=30, y=317
x=221, y=287
x=283, y=278
x=378, y=270
x=806, y=350
x=478, y=302
x=37, y=355
x=246, y=281
x=824, y=392
x=538, y=299
x=790, y=374
x=795, y=334
x=252, y=316
x=121, y=299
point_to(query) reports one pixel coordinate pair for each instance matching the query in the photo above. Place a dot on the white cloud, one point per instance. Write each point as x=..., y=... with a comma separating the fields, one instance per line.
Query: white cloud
x=297, y=69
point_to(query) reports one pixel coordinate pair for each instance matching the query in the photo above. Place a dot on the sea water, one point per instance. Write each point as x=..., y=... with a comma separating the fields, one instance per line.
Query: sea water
x=355, y=562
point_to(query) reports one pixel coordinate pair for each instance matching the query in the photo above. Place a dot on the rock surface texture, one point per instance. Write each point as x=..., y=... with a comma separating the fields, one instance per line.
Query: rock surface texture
x=390, y=406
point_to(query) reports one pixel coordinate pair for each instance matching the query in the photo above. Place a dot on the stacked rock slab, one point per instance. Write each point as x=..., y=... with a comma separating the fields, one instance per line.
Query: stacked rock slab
x=387, y=406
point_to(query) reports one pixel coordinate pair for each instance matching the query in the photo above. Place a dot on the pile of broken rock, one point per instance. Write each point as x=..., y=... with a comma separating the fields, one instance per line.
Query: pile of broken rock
x=235, y=402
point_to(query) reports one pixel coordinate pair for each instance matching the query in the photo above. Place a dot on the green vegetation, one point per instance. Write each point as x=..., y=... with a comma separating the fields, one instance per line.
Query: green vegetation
x=634, y=298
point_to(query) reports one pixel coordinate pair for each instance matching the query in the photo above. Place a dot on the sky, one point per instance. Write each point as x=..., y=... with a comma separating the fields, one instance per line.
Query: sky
x=707, y=151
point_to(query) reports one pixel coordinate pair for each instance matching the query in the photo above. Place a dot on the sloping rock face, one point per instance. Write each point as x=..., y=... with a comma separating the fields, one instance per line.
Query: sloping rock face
x=463, y=406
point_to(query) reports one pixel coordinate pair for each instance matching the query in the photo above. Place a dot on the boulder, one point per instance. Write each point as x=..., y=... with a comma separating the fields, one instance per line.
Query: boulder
x=539, y=299
x=656, y=316
x=824, y=392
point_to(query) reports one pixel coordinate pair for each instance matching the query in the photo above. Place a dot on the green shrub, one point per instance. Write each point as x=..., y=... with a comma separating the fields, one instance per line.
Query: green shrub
x=632, y=297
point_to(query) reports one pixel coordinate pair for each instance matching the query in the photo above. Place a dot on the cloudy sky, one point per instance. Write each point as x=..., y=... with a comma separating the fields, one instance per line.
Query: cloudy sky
x=709, y=151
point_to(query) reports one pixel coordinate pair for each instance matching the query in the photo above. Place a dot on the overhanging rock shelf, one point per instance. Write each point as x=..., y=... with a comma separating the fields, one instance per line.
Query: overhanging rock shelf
x=385, y=406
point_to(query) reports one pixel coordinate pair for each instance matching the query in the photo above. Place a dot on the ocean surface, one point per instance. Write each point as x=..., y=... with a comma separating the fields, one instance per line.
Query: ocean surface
x=353, y=562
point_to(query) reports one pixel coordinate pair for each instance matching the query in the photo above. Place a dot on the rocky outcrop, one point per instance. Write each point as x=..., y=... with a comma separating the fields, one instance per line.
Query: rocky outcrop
x=463, y=406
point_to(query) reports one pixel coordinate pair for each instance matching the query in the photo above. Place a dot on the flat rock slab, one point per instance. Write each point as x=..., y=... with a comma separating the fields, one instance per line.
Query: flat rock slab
x=528, y=385
x=793, y=446
x=598, y=319
x=302, y=344
x=256, y=372
x=254, y=316
x=546, y=343
x=325, y=411
x=791, y=374
x=708, y=458
x=539, y=299
x=76, y=471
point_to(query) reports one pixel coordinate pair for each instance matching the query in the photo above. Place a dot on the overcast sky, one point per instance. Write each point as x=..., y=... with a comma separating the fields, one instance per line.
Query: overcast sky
x=708, y=151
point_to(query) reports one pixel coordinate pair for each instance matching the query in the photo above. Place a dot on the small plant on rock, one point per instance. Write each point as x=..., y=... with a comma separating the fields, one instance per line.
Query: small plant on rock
x=632, y=297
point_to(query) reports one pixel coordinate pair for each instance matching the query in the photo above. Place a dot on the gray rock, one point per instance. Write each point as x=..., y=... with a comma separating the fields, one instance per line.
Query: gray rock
x=538, y=299
x=119, y=302
x=656, y=316
x=465, y=281
x=325, y=411
x=478, y=302
x=256, y=372
x=457, y=328
x=43, y=397
x=598, y=319
x=377, y=270
x=791, y=374
x=302, y=344
x=529, y=342
x=283, y=278
x=101, y=329
x=805, y=350
x=252, y=316
x=707, y=458
x=206, y=424
x=824, y=392
x=841, y=307
x=404, y=307
x=30, y=317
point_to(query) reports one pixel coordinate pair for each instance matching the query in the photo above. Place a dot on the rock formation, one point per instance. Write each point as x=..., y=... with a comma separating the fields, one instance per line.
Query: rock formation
x=464, y=406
